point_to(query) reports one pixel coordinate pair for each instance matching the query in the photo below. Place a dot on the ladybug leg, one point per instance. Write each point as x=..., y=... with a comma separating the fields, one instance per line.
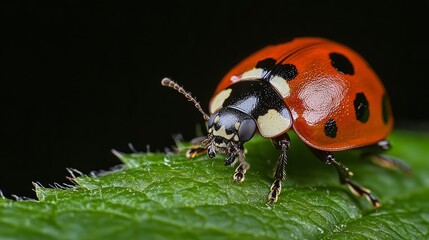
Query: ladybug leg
x=375, y=153
x=282, y=143
x=199, y=147
x=345, y=177
x=237, y=153
x=195, y=151
x=231, y=159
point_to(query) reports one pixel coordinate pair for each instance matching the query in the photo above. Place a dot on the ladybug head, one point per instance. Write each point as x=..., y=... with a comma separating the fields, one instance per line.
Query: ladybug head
x=229, y=124
x=228, y=130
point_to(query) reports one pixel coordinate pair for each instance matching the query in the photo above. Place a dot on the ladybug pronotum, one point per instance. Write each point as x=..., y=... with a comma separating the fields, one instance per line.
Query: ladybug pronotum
x=322, y=90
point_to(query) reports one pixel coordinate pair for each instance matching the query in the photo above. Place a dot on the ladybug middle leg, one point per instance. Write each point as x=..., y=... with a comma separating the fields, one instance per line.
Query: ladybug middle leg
x=345, y=176
x=282, y=143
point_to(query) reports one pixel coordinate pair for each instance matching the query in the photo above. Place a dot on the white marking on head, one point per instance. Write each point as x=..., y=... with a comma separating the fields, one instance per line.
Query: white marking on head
x=222, y=133
x=281, y=85
x=221, y=145
x=273, y=123
x=237, y=125
x=236, y=138
x=219, y=99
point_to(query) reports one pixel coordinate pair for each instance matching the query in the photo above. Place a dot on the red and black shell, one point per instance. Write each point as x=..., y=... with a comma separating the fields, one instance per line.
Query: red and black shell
x=324, y=90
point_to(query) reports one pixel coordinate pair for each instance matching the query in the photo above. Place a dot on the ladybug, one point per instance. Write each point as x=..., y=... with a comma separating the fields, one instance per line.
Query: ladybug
x=322, y=90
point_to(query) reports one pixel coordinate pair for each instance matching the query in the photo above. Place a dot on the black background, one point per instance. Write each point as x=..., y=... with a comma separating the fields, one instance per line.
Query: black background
x=78, y=79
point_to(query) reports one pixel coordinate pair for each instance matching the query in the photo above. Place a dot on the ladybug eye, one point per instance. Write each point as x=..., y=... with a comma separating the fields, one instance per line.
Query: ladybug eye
x=212, y=120
x=247, y=130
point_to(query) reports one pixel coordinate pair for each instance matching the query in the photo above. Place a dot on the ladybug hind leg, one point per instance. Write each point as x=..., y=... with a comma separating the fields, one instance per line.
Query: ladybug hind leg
x=345, y=177
x=375, y=153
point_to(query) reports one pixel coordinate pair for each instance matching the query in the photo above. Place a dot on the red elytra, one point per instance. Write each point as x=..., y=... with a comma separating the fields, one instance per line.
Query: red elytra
x=323, y=91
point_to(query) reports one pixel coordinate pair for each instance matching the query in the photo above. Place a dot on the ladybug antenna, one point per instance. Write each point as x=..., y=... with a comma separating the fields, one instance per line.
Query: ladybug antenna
x=167, y=82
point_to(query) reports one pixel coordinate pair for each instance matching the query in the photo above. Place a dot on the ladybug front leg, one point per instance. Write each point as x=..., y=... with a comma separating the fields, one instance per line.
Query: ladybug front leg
x=345, y=176
x=199, y=147
x=236, y=152
x=282, y=143
x=195, y=151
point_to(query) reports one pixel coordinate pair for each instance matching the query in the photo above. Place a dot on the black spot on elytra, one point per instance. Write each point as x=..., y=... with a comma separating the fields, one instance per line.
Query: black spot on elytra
x=331, y=128
x=341, y=63
x=285, y=71
x=266, y=64
x=386, y=108
x=361, y=107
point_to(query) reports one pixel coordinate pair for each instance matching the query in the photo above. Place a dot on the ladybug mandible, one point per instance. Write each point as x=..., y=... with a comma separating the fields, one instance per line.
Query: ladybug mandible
x=322, y=90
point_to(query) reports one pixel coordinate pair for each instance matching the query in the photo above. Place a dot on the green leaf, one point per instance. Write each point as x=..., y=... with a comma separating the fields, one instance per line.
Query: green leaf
x=166, y=196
